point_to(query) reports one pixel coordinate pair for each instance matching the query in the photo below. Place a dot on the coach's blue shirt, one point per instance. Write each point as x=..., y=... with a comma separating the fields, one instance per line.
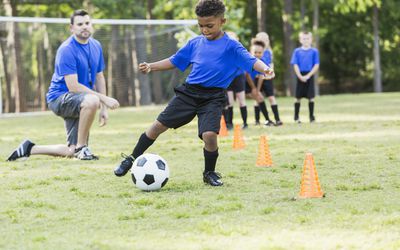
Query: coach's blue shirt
x=305, y=58
x=74, y=58
x=214, y=62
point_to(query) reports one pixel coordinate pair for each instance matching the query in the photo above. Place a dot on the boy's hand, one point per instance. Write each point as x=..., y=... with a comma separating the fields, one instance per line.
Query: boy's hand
x=144, y=67
x=269, y=73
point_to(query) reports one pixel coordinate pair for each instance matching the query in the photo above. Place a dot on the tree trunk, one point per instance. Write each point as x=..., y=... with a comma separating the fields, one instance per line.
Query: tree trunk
x=302, y=15
x=377, y=57
x=155, y=76
x=6, y=78
x=289, y=76
x=261, y=15
x=140, y=42
x=316, y=38
x=48, y=68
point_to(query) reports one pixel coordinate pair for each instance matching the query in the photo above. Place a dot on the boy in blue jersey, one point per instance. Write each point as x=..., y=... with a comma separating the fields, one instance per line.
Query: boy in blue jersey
x=305, y=61
x=215, y=58
x=76, y=91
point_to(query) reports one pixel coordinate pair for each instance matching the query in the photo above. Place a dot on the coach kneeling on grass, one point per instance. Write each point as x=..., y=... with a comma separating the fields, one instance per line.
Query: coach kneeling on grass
x=76, y=91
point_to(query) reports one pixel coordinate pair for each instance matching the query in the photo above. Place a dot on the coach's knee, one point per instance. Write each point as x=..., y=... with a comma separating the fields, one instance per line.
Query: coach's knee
x=90, y=102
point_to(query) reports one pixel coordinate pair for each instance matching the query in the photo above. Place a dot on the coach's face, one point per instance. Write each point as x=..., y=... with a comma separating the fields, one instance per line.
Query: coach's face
x=82, y=28
x=210, y=26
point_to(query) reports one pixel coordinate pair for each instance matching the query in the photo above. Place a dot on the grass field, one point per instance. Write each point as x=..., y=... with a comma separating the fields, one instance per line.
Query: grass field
x=57, y=203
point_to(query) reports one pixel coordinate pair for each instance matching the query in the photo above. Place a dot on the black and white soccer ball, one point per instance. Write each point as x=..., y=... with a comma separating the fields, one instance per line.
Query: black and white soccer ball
x=150, y=172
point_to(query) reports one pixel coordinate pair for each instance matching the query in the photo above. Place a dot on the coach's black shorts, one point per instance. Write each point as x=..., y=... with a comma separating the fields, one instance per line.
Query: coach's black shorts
x=267, y=88
x=191, y=100
x=305, y=89
x=238, y=84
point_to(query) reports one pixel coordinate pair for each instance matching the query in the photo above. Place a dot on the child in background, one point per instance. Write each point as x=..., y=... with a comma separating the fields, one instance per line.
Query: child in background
x=305, y=61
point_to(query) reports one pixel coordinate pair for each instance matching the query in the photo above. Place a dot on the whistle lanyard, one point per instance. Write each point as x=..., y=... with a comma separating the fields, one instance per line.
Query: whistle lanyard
x=89, y=65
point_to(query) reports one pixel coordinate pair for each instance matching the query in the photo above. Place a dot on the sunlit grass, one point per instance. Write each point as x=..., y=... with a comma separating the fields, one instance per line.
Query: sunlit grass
x=57, y=203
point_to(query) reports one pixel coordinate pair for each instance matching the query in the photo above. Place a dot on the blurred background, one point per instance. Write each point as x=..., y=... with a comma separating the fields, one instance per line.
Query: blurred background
x=358, y=42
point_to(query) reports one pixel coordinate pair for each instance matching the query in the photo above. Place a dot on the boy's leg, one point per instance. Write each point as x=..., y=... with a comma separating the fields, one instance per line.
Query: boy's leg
x=264, y=111
x=297, y=111
x=243, y=108
x=257, y=114
x=311, y=110
x=145, y=141
x=210, y=152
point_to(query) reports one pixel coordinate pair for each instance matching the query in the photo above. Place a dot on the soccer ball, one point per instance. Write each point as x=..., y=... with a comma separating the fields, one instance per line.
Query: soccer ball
x=150, y=172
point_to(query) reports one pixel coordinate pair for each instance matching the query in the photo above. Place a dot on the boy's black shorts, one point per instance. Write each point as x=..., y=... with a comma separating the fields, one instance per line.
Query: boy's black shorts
x=238, y=84
x=267, y=88
x=305, y=89
x=191, y=100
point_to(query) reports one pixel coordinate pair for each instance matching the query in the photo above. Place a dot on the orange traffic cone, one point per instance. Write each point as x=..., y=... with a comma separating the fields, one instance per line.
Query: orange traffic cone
x=264, y=156
x=310, y=187
x=223, y=131
x=238, y=141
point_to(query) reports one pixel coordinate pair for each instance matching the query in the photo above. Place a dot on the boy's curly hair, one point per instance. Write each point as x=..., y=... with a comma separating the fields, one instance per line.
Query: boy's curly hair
x=210, y=8
x=258, y=42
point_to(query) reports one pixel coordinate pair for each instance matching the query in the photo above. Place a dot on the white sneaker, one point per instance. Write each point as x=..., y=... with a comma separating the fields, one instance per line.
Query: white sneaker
x=83, y=153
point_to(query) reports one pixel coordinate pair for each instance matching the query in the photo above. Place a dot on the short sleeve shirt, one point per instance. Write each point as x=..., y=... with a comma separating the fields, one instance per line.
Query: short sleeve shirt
x=305, y=58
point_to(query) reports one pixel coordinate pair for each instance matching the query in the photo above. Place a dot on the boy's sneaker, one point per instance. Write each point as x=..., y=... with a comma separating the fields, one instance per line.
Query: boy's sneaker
x=269, y=123
x=257, y=123
x=297, y=121
x=212, y=178
x=23, y=150
x=83, y=153
x=278, y=123
x=312, y=119
x=124, y=166
x=245, y=126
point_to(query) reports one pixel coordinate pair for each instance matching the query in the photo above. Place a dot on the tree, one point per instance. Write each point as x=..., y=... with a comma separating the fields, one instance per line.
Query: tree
x=289, y=77
x=261, y=15
x=377, y=56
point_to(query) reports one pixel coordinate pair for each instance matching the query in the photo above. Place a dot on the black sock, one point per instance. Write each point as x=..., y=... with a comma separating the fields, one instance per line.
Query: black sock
x=263, y=109
x=225, y=114
x=142, y=145
x=311, y=109
x=210, y=160
x=230, y=115
x=296, y=110
x=243, y=112
x=276, y=112
x=257, y=113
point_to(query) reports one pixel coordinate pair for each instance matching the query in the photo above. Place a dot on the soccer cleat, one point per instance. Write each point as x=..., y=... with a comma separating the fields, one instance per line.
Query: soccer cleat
x=278, y=123
x=269, y=123
x=23, y=150
x=83, y=153
x=212, y=178
x=245, y=126
x=125, y=165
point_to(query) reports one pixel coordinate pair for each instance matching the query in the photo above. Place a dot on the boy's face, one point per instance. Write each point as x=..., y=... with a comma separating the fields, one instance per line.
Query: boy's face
x=210, y=26
x=257, y=51
x=306, y=40
x=82, y=27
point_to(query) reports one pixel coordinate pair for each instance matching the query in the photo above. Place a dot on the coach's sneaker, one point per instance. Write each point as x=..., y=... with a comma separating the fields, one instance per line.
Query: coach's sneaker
x=83, y=153
x=23, y=150
x=212, y=178
x=125, y=165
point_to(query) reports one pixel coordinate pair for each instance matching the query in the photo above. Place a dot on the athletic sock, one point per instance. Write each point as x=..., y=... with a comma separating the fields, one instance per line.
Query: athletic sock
x=257, y=113
x=243, y=112
x=210, y=160
x=276, y=112
x=296, y=110
x=142, y=145
x=311, y=109
x=263, y=109
x=230, y=115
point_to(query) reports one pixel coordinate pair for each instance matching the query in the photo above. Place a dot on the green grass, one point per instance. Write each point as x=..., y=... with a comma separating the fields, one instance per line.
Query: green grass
x=56, y=203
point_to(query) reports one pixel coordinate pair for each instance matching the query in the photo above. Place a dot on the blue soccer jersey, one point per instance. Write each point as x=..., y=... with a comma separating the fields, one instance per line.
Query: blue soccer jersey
x=305, y=58
x=214, y=62
x=267, y=57
x=85, y=60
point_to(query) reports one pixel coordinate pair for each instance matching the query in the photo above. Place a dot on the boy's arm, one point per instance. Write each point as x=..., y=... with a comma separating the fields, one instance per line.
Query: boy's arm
x=262, y=67
x=260, y=82
x=254, y=92
x=312, y=72
x=298, y=73
x=156, y=66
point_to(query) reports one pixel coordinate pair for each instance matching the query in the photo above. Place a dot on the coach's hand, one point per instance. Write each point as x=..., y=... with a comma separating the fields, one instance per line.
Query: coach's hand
x=103, y=116
x=145, y=67
x=110, y=102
